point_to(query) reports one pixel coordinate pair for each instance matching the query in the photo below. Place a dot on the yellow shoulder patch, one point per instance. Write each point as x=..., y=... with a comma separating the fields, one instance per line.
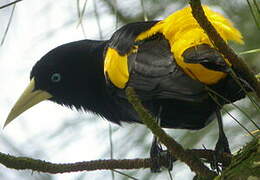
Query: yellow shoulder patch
x=116, y=68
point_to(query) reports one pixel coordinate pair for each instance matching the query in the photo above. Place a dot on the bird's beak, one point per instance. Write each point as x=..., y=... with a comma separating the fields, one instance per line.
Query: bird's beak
x=29, y=98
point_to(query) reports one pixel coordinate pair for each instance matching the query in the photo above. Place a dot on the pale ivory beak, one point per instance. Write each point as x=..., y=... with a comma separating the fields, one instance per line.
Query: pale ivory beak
x=29, y=98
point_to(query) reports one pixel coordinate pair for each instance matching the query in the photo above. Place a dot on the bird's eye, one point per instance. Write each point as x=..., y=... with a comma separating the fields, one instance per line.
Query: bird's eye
x=56, y=77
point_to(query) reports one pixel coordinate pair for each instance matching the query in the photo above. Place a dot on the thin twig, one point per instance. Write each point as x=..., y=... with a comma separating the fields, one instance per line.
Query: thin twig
x=250, y=51
x=9, y=4
x=144, y=11
x=241, y=125
x=115, y=8
x=111, y=147
x=124, y=18
x=110, y=127
x=256, y=6
x=80, y=17
x=98, y=20
x=233, y=104
x=8, y=26
x=234, y=76
x=253, y=14
x=81, y=12
x=119, y=172
x=78, y=8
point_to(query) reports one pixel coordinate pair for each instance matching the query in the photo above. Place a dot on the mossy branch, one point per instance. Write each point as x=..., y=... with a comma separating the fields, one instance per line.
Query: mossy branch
x=237, y=62
x=175, y=148
x=23, y=163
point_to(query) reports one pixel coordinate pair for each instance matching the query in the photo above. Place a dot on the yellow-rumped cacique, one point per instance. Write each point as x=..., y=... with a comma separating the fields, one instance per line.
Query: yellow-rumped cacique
x=170, y=63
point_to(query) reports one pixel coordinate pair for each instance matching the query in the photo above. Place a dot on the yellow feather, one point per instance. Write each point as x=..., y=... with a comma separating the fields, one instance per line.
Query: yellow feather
x=183, y=32
x=116, y=68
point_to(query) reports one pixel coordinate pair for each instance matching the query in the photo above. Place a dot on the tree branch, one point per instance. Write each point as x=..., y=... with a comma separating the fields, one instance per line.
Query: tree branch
x=22, y=163
x=175, y=148
x=236, y=61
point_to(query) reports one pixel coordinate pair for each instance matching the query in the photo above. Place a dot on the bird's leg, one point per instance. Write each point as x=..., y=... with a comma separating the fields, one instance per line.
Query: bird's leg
x=222, y=143
x=157, y=152
x=156, y=149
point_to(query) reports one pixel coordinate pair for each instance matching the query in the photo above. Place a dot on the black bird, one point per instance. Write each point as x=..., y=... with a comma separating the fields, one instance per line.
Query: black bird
x=93, y=74
x=174, y=67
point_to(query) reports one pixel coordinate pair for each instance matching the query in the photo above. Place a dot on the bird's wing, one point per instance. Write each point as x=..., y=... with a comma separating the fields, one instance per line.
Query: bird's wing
x=148, y=65
x=154, y=72
x=124, y=38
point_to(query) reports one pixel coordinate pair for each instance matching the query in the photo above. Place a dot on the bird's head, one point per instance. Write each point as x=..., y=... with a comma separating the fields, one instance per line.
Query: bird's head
x=70, y=75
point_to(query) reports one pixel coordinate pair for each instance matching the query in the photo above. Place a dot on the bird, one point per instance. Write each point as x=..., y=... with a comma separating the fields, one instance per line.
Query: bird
x=174, y=67
x=171, y=64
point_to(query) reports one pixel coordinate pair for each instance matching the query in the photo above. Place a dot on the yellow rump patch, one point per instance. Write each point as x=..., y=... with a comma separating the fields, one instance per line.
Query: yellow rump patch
x=116, y=68
x=182, y=31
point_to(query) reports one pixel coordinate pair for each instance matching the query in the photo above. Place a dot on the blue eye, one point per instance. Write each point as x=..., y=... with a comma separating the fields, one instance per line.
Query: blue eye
x=56, y=77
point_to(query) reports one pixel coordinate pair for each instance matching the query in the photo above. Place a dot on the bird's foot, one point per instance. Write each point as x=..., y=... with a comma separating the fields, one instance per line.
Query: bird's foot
x=221, y=147
x=155, y=156
x=158, y=153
